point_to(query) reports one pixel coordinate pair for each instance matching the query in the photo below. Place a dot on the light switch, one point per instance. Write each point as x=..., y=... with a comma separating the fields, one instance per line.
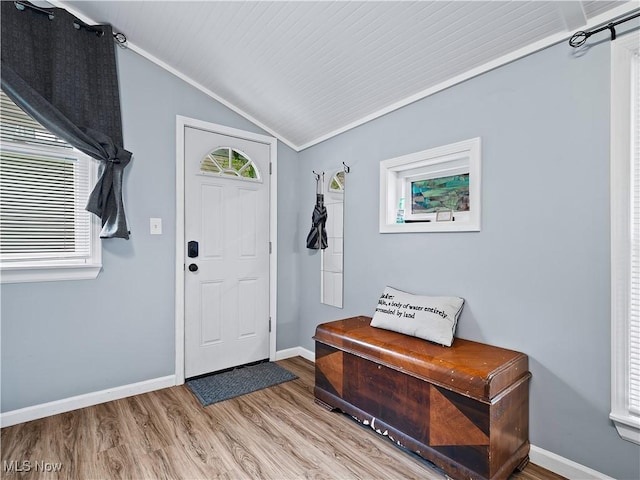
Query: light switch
x=155, y=226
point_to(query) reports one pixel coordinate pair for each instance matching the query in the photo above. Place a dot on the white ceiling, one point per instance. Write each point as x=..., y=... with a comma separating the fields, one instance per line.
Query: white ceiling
x=305, y=71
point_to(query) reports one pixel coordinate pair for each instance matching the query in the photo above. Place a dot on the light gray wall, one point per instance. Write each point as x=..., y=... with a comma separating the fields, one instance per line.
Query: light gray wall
x=536, y=278
x=61, y=339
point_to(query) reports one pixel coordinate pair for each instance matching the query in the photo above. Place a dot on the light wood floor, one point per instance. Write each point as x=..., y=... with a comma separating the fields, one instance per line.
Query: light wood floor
x=276, y=433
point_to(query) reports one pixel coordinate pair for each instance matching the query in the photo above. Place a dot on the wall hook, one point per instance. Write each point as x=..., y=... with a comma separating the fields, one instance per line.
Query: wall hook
x=347, y=168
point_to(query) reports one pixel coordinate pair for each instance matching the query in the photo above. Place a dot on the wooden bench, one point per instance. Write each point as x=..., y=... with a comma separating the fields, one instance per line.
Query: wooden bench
x=465, y=408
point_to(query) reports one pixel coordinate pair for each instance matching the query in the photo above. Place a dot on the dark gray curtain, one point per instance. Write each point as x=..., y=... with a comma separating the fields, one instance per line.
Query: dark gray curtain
x=66, y=79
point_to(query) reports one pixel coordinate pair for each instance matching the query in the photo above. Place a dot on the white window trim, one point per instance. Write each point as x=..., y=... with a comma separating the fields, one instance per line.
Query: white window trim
x=622, y=51
x=396, y=173
x=33, y=270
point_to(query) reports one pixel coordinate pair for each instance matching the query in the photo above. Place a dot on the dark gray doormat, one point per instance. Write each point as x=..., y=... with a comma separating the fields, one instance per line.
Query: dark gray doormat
x=233, y=383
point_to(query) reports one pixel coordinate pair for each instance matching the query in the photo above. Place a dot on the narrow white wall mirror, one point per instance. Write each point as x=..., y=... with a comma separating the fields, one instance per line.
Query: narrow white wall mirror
x=332, y=257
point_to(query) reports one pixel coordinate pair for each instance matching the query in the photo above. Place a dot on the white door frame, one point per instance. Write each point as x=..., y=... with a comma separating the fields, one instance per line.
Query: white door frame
x=181, y=124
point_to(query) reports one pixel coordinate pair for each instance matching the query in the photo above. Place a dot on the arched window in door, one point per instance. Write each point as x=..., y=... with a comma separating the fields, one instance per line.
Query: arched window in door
x=229, y=161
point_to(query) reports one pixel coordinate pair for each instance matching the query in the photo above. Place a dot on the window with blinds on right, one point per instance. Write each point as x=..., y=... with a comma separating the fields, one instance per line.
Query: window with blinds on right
x=625, y=236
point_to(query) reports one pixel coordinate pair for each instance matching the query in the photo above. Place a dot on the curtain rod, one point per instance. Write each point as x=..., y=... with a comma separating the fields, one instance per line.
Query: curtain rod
x=120, y=38
x=580, y=37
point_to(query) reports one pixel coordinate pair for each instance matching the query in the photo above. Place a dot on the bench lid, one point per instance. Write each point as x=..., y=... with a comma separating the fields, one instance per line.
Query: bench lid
x=473, y=369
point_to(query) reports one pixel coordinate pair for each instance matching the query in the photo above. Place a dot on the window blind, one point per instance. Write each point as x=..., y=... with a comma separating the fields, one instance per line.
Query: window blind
x=16, y=126
x=44, y=187
x=634, y=307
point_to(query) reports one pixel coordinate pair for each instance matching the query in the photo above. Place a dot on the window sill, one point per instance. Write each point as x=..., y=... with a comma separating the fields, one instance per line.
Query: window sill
x=413, y=227
x=628, y=427
x=48, y=273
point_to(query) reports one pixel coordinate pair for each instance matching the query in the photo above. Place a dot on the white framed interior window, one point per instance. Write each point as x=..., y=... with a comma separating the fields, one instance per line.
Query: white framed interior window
x=625, y=236
x=45, y=232
x=435, y=190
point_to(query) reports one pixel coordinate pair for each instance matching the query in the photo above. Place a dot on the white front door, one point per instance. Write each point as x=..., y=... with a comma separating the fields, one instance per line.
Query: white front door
x=226, y=251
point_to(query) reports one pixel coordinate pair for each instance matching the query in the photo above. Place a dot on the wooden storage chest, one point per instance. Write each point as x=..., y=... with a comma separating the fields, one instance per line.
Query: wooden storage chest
x=464, y=408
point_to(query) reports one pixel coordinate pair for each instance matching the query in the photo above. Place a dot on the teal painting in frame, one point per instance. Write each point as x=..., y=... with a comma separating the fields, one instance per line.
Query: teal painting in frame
x=442, y=193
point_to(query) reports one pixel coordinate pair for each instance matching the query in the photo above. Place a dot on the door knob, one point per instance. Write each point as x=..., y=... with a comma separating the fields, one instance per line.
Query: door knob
x=193, y=267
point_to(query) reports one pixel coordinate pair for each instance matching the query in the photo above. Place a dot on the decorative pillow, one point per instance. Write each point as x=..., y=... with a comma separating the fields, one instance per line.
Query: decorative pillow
x=430, y=318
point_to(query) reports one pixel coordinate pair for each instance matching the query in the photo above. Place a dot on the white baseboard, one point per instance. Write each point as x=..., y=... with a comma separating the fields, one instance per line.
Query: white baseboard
x=296, y=352
x=563, y=466
x=35, y=412
x=549, y=460
x=27, y=414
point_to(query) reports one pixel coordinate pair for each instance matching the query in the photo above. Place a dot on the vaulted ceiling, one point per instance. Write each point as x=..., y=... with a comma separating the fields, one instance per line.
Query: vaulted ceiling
x=305, y=71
